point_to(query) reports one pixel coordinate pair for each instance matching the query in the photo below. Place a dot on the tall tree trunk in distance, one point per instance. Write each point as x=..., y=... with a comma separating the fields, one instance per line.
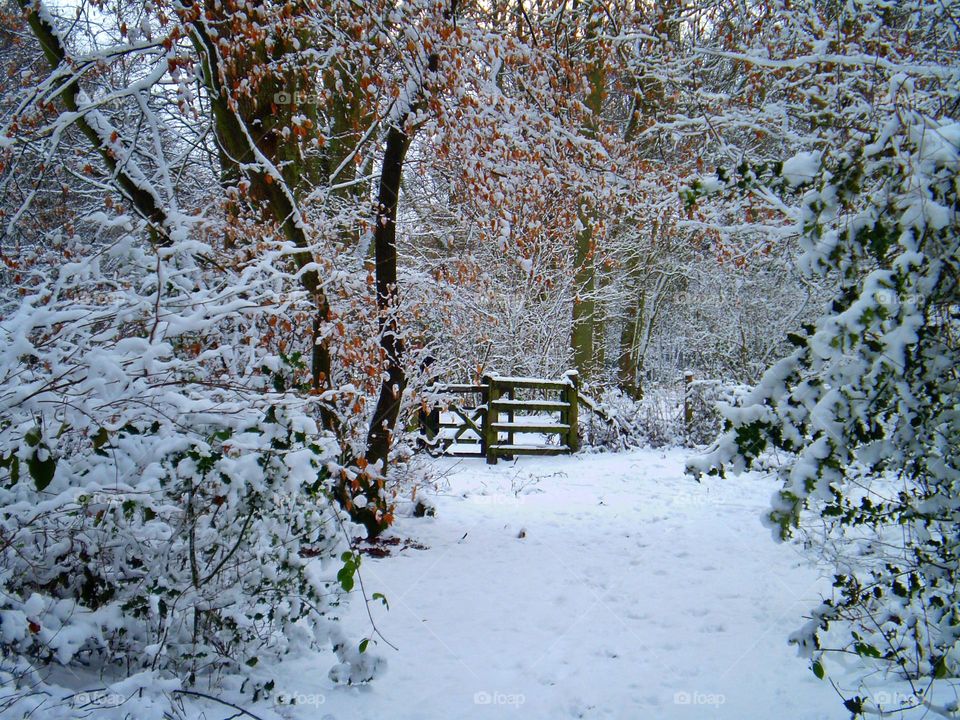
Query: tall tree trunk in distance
x=628, y=365
x=649, y=100
x=602, y=280
x=584, y=290
x=651, y=286
x=584, y=256
x=627, y=369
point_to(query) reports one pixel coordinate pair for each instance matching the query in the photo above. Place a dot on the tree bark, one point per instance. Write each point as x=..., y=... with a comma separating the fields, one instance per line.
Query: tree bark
x=277, y=198
x=628, y=369
x=144, y=201
x=585, y=279
x=385, y=252
x=375, y=514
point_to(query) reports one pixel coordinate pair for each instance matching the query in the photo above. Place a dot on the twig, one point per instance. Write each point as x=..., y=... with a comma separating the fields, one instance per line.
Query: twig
x=205, y=696
x=363, y=590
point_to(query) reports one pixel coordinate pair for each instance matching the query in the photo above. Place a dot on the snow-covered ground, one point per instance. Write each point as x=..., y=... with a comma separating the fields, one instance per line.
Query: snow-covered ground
x=594, y=586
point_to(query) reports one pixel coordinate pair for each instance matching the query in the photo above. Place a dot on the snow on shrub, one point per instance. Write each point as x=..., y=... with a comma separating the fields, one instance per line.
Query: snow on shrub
x=704, y=401
x=165, y=512
x=864, y=411
x=621, y=422
x=658, y=418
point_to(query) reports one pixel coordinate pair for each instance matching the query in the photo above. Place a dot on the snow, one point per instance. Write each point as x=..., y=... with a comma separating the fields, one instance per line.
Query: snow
x=802, y=167
x=593, y=586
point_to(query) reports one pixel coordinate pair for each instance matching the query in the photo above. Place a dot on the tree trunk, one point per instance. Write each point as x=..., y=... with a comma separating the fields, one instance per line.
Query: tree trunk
x=140, y=196
x=385, y=251
x=374, y=515
x=585, y=281
x=268, y=115
x=349, y=122
x=601, y=282
x=628, y=369
x=583, y=299
x=275, y=198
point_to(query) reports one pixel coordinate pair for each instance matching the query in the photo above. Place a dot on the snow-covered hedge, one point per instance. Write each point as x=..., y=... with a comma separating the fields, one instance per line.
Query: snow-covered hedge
x=703, y=402
x=621, y=422
x=165, y=552
x=165, y=510
x=864, y=412
x=659, y=418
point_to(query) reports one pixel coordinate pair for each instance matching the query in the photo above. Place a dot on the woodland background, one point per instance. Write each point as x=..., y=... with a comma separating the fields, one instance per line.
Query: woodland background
x=240, y=238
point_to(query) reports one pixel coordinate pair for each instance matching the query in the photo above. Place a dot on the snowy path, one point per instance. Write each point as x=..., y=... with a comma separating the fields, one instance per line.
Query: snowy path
x=634, y=593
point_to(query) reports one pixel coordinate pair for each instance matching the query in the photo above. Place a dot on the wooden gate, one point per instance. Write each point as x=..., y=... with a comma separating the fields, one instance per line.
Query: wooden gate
x=503, y=416
x=455, y=420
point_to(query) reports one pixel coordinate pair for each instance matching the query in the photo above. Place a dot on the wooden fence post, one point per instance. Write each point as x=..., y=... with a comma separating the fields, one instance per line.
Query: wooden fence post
x=430, y=420
x=511, y=395
x=491, y=417
x=571, y=395
x=687, y=403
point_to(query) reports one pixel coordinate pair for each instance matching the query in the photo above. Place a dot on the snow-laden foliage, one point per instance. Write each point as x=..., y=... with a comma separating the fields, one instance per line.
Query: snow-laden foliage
x=615, y=421
x=865, y=407
x=685, y=414
x=238, y=240
x=165, y=506
x=861, y=415
x=702, y=403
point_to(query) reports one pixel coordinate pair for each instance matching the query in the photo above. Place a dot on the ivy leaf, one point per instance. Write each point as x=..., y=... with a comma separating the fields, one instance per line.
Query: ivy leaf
x=854, y=705
x=33, y=437
x=101, y=438
x=818, y=669
x=41, y=470
x=12, y=464
x=865, y=650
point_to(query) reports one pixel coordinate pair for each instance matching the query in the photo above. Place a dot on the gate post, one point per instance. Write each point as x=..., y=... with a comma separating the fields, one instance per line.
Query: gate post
x=489, y=440
x=687, y=403
x=511, y=395
x=571, y=395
